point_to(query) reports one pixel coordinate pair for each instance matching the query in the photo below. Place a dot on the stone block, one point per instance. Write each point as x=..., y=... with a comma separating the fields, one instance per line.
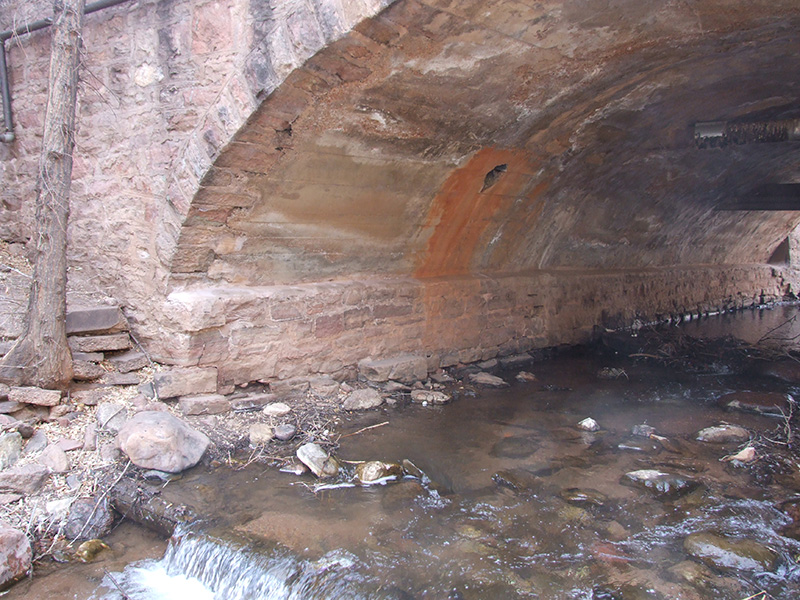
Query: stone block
x=185, y=381
x=96, y=320
x=83, y=370
x=89, y=397
x=88, y=356
x=204, y=404
x=100, y=343
x=406, y=368
x=34, y=395
x=132, y=360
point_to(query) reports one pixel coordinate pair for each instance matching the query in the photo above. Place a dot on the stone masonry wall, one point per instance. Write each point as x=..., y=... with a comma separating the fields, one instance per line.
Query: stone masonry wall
x=285, y=332
x=165, y=84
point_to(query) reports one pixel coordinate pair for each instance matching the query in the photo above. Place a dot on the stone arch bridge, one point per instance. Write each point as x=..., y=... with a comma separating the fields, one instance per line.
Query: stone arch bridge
x=282, y=188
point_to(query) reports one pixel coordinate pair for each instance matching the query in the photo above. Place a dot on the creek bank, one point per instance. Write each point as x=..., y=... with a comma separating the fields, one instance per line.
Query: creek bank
x=315, y=409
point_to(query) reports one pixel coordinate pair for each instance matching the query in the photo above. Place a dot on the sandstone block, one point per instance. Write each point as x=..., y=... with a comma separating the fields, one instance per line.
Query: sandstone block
x=407, y=368
x=158, y=440
x=15, y=554
x=4, y=389
x=132, y=360
x=86, y=371
x=185, y=381
x=89, y=397
x=34, y=395
x=88, y=356
x=25, y=479
x=99, y=343
x=96, y=319
x=204, y=404
x=121, y=378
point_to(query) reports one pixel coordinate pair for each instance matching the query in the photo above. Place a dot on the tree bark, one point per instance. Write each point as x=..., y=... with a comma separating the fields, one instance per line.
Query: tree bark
x=41, y=356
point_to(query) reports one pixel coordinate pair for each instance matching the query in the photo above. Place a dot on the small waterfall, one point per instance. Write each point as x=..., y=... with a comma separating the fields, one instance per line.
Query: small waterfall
x=202, y=567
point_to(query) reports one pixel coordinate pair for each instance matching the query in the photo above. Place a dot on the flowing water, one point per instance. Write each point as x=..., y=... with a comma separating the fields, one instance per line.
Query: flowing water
x=495, y=513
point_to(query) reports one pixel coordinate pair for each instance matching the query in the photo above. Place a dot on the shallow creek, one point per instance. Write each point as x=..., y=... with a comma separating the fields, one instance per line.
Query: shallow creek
x=489, y=519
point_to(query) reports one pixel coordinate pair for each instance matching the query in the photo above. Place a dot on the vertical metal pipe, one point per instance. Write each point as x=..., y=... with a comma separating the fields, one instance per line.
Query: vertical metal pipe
x=8, y=135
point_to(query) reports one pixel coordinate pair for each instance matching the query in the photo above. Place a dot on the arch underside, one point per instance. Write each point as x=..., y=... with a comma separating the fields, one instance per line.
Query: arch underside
x=455, y=140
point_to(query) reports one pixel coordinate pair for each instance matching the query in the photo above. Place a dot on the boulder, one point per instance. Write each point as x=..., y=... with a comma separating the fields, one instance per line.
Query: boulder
x=406, y=368
x=10, y=449
x=99, y=343
x=373, y=471
x=204, y=404
x=34, y=395
x=362, y=399
x=185, y=381
x=730, y=554
x=320, y=462
x=722, y=434
x=15, y=554
x=158, y=440
x=25, y=479
x=660, y=484
x=277, y=409
x=260, y=433
x=487, y=380
x=429, y=397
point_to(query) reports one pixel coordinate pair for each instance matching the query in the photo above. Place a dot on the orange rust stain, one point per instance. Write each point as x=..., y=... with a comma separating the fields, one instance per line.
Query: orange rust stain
x=461, y=213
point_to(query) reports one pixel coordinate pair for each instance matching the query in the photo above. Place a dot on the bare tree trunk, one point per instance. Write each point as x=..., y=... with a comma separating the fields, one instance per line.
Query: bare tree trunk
x=41, y=355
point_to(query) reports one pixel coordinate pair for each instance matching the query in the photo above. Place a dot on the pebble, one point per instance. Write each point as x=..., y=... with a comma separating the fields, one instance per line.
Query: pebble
x=276, y=409
x=589, y=424
x=285, y=432
x=429, y=397
x=643, y=430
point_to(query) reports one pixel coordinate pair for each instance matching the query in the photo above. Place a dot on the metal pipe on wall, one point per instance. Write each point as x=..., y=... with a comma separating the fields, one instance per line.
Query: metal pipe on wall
x=8, y=135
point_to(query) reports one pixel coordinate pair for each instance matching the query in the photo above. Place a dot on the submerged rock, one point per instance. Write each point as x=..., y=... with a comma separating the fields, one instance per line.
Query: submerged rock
x=525, y=377
x=761, y=403
x=515, y=447
x=643, y=430
x=321, y=463
x=721, y=434
x=487, y=380
x=158, y=440
x=375, y=470
x=429, y=397
x=362, y=399
x=641, y=445
x=589, y=424
x=89, y=550
x=583, y=497
x=660, y=484
x=729, y=554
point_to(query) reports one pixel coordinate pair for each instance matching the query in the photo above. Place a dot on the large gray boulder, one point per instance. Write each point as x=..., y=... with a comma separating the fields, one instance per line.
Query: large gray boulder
x=15, y=554
x=158, y=440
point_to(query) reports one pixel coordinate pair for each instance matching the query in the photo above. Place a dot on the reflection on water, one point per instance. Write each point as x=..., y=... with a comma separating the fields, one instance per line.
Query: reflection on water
x=517, y=502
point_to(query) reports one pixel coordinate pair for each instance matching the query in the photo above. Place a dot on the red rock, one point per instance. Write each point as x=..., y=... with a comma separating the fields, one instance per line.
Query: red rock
x=15, y=554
